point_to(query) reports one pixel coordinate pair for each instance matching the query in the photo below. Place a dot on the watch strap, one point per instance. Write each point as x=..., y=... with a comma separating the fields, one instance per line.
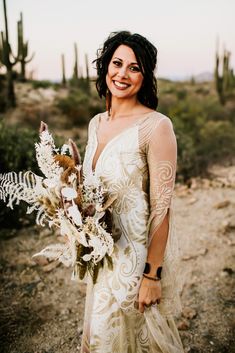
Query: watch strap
x=147, y=270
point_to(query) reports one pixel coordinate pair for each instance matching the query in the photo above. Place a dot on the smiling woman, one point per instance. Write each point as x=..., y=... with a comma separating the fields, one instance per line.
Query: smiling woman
x=132, y=149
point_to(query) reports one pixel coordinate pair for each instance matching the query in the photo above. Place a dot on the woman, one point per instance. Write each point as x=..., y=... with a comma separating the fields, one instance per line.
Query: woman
x=132, y=148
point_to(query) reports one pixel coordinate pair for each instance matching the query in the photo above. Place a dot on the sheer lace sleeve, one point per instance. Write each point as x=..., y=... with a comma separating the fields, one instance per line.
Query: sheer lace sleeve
x=162, y=159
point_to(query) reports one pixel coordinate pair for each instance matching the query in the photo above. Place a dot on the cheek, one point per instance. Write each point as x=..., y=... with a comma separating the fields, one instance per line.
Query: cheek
x=139, y=81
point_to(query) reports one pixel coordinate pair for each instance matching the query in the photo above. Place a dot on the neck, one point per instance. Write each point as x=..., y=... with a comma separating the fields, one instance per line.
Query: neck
x=122, y=107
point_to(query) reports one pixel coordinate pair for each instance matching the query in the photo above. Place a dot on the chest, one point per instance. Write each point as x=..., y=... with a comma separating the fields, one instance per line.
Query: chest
x=119, y=157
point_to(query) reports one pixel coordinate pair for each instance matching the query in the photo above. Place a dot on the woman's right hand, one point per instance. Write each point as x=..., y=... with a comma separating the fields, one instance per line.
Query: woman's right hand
x=149, y=293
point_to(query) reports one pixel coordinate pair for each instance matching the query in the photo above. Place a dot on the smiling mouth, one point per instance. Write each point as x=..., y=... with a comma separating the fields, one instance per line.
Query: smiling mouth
x=120, y=85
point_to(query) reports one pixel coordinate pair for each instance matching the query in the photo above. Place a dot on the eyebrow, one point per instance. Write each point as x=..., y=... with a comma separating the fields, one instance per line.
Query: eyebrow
x=134, y=63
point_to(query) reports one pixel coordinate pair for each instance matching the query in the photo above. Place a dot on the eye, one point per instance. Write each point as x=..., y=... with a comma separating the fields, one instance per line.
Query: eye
x=117, y=63
x=135, y=68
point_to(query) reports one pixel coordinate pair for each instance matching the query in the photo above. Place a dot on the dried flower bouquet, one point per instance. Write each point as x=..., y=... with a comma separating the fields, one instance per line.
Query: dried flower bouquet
x=63, y=198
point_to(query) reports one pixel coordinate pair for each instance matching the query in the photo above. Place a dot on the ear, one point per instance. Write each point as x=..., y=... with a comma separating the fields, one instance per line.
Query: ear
x=43, y=127
x=75, y=153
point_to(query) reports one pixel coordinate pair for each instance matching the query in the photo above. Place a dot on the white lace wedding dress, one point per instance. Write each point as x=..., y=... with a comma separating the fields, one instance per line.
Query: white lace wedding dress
x=138, y=165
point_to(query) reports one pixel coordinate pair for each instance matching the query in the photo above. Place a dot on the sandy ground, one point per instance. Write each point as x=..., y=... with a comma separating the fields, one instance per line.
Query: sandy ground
x=41, y=309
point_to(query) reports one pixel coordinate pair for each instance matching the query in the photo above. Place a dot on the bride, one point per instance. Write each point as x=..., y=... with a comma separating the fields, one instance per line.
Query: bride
x=132, y=148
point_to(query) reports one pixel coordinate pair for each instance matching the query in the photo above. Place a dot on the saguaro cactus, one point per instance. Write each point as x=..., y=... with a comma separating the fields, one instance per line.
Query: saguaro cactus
x=224, y=82
x=87, y=73
x=8, y=60
x=63, y=70
x=75, y=69
x=22, y=49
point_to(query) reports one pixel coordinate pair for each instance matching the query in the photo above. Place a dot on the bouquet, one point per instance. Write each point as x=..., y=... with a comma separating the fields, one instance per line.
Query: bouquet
x=63, y=198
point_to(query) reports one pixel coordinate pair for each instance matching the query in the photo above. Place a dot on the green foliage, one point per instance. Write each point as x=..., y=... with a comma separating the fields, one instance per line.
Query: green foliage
x=17, y=148
x=41, y=84
x=79, y=106
x=217, y=140
x=181, y=94
x=204, y=128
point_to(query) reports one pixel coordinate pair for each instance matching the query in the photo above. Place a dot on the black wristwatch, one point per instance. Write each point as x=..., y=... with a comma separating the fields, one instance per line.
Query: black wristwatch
x=147, y=270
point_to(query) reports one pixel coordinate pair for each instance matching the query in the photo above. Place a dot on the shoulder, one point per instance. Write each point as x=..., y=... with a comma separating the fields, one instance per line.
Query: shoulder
x=93, y=123
x=161, y=119
x=162, y=134
x=160, y=124
x=96, y=118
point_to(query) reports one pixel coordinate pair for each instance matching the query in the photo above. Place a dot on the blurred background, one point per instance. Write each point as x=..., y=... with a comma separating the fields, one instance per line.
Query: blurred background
x=46, y=73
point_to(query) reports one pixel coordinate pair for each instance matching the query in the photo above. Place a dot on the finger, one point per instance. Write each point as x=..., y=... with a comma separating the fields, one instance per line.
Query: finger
x=141, y=307
x=136, y=305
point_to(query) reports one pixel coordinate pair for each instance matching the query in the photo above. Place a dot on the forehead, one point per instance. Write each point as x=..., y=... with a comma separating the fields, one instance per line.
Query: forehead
x=125, y=53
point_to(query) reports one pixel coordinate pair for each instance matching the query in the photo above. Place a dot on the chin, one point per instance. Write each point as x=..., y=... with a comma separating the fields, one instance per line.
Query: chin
x=122, y=94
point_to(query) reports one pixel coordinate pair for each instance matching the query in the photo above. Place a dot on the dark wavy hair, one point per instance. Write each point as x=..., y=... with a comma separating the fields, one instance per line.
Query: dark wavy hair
x=146, y=56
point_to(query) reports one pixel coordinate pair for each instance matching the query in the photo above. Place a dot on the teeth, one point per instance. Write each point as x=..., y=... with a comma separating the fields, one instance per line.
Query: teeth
x=120, y=84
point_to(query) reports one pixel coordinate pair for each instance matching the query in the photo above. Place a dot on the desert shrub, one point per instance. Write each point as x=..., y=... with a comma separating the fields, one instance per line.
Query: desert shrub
x=41, y=84
x=202, y=90
x=75, y=106
x=205, y=132
x=80, y=106
x=217, y=141
x=181, y=94
x=17, y=148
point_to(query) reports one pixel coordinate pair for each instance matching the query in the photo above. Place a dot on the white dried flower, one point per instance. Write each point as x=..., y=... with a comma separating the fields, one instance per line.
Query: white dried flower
x=69, y=193
x=65, y=148
x=75, y=214
x=45, y=151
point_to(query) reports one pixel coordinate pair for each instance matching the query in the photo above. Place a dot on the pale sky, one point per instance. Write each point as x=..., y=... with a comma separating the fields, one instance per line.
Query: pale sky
x=184, y=31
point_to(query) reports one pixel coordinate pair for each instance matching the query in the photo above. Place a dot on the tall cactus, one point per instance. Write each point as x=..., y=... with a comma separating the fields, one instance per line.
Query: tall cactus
x=22, y=49
x=8, y=60
x=87, y=73
x=75, y=69
x=63, y=70
x=218, y=78
x=225, y=82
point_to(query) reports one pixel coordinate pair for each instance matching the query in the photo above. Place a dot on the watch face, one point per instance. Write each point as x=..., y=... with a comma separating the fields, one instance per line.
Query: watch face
x=147, y=268
x=159, y=271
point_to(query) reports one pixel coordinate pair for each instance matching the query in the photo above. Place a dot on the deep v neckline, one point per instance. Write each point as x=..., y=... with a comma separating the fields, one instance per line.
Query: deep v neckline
x=114, y=138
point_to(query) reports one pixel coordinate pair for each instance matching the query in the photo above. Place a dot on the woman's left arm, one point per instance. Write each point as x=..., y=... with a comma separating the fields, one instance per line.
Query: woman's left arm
x=162, y=159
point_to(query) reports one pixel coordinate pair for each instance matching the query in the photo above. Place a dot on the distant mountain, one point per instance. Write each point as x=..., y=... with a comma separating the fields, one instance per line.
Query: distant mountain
x=202, y=77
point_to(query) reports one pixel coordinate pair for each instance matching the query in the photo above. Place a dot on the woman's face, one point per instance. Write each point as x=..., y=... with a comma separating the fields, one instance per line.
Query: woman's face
x=124, y=78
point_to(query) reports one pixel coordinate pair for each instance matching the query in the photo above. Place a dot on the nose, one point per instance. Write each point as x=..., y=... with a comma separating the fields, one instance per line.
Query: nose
x=122, y=72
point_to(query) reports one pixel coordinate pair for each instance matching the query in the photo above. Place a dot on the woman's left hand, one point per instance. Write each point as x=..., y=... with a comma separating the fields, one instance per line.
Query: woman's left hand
x=149, y=293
